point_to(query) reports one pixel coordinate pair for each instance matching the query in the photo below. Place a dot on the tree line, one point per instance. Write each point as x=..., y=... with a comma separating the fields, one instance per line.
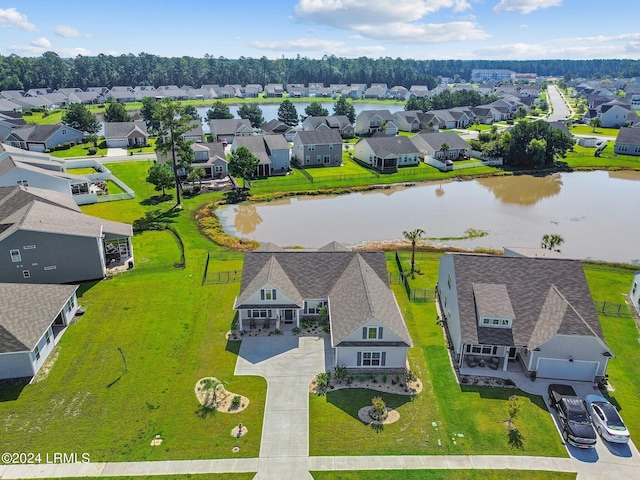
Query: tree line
x=51, y=71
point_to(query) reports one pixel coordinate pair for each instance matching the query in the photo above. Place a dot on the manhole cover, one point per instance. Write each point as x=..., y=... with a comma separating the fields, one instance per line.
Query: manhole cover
x=235, y=449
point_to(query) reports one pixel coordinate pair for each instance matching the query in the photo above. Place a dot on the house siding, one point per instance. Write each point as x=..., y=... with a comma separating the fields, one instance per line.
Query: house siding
x=580, y=348
x=449, y=301
x=301, y=152
x=36, y=179
x=280, y=160
x=395, y=357
x=74, y=258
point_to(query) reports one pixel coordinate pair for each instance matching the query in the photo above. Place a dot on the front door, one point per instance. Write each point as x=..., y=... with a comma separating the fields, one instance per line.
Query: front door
x=512, y=353
x=288, y=316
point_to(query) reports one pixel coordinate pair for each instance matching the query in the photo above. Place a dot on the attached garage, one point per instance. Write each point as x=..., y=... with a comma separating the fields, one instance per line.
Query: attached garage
x=117, y=143
x=567, y=370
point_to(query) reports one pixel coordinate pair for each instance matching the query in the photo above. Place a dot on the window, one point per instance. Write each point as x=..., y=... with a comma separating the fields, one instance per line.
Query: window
x=313, y=307
x=485, y=321
x=372, y=333
x=267, y=294
x=36, y=352
x=327, y=159
x=371, y=359
x=50, y=267
x=15, y=255
x=259, y=313
x=635, y=285
x=24, y=183
x=319, y=158
x=28, y=247
x=331, y=146
x=26, y=274
x=218, y=169
x=307, y=159
x=311, y=147
x=449, y=282
x=46, y=337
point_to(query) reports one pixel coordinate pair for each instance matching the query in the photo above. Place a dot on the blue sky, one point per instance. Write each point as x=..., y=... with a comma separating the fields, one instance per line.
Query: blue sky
x=419, y=29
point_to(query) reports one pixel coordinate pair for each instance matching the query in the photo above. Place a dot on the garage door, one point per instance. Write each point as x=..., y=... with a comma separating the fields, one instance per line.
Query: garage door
x=566, y=370
x=117, y=142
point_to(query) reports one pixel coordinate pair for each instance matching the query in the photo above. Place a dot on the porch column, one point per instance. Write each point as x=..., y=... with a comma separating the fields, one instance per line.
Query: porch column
x=506, y=360
x=240, y=320
x=296, y=313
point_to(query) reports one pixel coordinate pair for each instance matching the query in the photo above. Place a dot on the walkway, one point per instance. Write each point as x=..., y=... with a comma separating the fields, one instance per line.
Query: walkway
x=289, y=363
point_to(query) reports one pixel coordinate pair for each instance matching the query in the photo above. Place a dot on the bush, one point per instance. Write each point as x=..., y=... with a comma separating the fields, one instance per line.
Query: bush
x=235, y=402
x=92, y=150
x=340, y=373
x=323, y=379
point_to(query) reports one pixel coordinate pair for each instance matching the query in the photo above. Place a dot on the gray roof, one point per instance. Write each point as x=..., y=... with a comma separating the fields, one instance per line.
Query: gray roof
x=354, y=282
x=15, y=197
x=436, y=139
x=275, y=142
x=38, y=216
x=386, y=145
x=629, y=135
x=36, y=133
x=255, y=144
x=27, y=311
x=124, y=129
x=324, y=136
x=333, y=247
x=548, y=297
x=228, y=126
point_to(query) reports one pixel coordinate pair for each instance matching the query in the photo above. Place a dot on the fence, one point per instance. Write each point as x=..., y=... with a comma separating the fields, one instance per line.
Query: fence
x=226, y=276
x=609, y=309
x=229, y=276
x=415, y=295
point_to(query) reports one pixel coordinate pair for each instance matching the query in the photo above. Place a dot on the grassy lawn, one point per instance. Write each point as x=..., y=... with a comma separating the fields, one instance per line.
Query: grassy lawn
x=588, y=130
x=80, y=150
x=171, y=331
x=81, y=171
x=583, y=157
x=443, y=475
x=348, y=167
x=477, y=413
x=204, y=476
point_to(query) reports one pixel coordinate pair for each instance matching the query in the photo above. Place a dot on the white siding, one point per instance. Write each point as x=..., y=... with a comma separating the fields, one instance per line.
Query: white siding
x=579, y=348
x=387, y=334
x=395, y=357
x=449, y=300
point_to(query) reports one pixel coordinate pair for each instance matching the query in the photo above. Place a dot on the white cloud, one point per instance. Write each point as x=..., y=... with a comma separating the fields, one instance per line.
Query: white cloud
x=346, y=13
x=303, y=44
x=41, y=43
x=10, y=17
x=424, y=33
x=519, y=51
x=69, y=32
x=524, y=6
x=35, y=50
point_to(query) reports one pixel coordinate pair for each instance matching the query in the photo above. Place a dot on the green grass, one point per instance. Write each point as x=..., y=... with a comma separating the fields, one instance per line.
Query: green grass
x=443, y=475
x=80, y=150
x=588, y=130
x=204, y=476
x=478, y=413
x=82, y=171
x=583, y=157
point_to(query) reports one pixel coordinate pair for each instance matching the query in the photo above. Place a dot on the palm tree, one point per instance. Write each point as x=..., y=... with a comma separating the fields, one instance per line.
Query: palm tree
x=413, y=236
x=595, y=123
x=444, y=148
x=551, y=241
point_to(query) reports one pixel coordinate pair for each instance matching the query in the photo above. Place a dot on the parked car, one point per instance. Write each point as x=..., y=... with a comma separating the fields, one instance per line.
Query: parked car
x=606, y=419
x=574, y=419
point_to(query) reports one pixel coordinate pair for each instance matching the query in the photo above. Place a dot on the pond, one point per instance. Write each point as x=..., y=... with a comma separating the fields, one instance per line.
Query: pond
x=592, y=211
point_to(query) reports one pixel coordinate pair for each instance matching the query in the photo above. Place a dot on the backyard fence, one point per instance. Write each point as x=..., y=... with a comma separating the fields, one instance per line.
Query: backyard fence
x=229, y=276
x=416, y=295
x=610, y=309
x=224, y=276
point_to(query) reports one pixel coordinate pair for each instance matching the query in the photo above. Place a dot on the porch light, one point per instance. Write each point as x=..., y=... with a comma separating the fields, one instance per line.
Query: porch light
x=570, y=358
x=607, y=354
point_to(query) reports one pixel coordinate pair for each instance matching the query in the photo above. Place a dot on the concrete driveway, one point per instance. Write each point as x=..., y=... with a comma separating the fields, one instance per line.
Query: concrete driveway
x=288, y=363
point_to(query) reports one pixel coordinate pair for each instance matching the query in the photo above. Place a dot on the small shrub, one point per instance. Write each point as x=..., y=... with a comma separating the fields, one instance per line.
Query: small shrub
x=323, y=380
x=277, y=331
x=340, y=373
x=409, y=376
x=92, y=150
x=235, y=402
x=384, y=378
x=296, y=330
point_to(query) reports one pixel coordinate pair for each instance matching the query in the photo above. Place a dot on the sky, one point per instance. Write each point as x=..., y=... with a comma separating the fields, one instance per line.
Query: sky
x=418, y=29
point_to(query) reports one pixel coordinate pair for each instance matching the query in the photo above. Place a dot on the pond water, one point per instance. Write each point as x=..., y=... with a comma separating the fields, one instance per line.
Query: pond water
x=270, y=110
x=592, y=211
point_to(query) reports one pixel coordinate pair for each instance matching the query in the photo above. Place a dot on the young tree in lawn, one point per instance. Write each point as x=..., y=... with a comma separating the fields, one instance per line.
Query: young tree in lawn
x=595, y=123
x=315, y=109
x=79, y=117
x=413, y=236
x=161, y=176
x=513, y=409
x=173, y=125
x=92, y=138
x=287, y=113
x=252, y=112
x=115, y=112
x=342, y=107
x=220, y=111
x=243, y=164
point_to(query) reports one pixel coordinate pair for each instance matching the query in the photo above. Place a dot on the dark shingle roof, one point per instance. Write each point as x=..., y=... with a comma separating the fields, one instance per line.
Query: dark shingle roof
x=548, y=297
x=16, y=197
x=27, y=311
x=629, y=135
x=124, y=129
x=323, y=136
x=385, y=145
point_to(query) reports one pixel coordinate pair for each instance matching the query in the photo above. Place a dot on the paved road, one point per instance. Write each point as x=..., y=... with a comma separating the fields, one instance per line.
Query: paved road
x=556, y=100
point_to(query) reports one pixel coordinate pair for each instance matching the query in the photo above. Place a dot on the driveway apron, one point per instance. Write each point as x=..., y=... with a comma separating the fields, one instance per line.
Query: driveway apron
x=288, y=363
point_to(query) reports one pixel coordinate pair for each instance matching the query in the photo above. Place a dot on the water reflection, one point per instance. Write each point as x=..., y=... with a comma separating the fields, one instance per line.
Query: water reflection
x=523, y=189
x=247, y=219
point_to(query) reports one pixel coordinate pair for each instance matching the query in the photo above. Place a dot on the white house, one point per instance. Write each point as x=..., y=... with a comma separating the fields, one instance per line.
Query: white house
x=282, y=287
x=386, y=153
x=634, y=293
x=33, y=317
x=535, y=313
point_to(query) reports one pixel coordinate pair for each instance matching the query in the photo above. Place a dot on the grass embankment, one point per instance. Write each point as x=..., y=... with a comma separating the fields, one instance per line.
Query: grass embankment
x=443, y=475
x=431, y=422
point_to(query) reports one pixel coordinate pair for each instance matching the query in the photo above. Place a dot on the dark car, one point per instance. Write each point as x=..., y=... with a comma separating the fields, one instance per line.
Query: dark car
x=574, y=419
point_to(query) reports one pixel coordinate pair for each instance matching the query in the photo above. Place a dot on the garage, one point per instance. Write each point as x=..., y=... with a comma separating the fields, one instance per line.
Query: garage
x=567, y=369
x=117, y=143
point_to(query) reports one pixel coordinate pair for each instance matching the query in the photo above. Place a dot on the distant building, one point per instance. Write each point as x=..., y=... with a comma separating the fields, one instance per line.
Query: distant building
x=479, y=75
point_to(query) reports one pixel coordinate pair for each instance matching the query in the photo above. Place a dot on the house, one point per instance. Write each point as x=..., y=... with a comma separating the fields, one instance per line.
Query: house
x=227, y=129
x=338, y=122
x=628, y=141
x=32, y=321
x=535, y=313
x=211, y=158
x=634, y=292
x=125, y=134
x=39, y=138
x=282, y=287
x=41, y=171
x=441, y=145
x=453, y=117
x=195, y=134
x=370, y=121
x=273, y=90
x=85, y=97
x=386, y=153
x=612, y=114
x=377, y=91
x=407, y=120
x=419, y=91
x=317, y=147
x=272, y=150
x=276, y=127
x=43, y=240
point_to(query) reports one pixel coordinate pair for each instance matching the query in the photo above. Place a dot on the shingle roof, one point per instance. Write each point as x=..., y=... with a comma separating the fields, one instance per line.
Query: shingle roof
x=548, y=297
x=386, y=145
x=276, y=142
x=354, y=282
x=27, y=311
x=629, y=135
x=324, y=136
x=228, y=126
x=436, y=139
x=124, y=129
x=16, y=197
x=35, y=133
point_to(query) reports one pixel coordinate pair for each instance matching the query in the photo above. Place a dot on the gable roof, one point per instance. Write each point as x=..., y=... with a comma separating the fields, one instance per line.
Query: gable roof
x=15, y=197
x=27, y=311
x=323, y=136
x=229, y=126
x=436, y=139
x=629, y=135
x=124, y=129
x=386, y=145
x=548, y=297
x=37, y=133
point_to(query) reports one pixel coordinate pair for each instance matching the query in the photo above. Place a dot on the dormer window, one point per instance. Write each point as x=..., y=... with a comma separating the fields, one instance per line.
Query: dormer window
x=493, y=306
x=268, y=294
x=372, y=333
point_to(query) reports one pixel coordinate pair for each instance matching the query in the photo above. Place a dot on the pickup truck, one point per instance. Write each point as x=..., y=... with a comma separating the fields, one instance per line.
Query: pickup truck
x=575, y=422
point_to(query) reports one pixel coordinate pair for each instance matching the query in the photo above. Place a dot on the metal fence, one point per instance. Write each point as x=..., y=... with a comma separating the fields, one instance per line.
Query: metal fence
x=229, y=276
x=416, y=295
x=609, y=309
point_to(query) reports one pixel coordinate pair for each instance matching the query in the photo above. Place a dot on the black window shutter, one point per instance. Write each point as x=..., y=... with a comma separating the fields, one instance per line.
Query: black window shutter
x=274, y=294
x=364, y=333
x=383, y=359
x=359, y=362
x=380, y=332
x=262, y=294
